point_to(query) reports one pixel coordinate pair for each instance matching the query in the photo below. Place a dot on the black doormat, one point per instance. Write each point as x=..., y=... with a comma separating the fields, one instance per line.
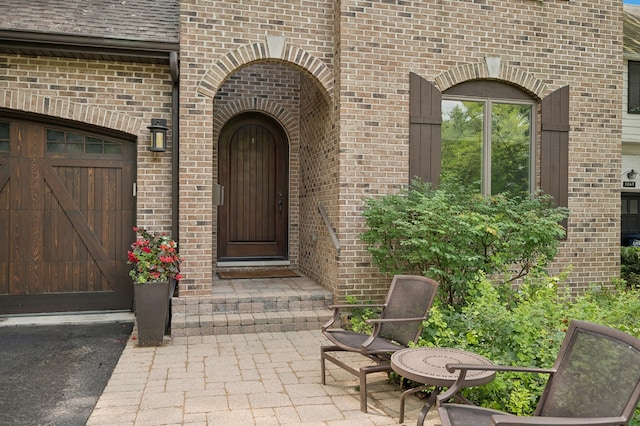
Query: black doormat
x=55, y=374
x=257, y=273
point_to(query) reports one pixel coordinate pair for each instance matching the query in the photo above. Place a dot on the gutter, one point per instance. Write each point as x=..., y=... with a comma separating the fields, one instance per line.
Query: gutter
x=54, y=44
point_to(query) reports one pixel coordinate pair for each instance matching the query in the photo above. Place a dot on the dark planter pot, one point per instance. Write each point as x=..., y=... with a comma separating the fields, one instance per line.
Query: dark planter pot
x=152, y=311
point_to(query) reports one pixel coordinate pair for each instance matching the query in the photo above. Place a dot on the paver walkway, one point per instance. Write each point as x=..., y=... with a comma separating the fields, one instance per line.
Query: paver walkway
x=243, y=379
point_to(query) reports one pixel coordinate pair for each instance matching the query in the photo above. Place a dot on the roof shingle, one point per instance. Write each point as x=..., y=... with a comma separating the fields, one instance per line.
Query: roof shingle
x=143, y=20
x=631, y=29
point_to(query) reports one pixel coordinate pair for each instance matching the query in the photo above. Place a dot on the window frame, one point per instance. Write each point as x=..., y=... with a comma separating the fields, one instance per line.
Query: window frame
x=633, y=87
x=488, y=102
x=5, y=143
x=552, y=153
x=85, y=140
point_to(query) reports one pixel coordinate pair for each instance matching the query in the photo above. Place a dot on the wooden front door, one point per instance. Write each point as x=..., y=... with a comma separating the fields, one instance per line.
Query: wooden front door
x=66, y=217
x=253, y=169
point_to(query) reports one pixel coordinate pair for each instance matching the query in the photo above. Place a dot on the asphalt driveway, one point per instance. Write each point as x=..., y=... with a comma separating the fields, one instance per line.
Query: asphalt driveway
x=54, y=374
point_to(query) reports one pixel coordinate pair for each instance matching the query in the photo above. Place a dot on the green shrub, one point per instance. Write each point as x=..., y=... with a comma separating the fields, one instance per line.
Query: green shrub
x=630, y=266
x=525, y=328
x=358, y=316
x=452, y=233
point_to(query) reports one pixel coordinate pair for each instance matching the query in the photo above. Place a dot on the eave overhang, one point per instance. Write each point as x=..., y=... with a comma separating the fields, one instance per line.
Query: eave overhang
x=631, y=56
x=85, y=47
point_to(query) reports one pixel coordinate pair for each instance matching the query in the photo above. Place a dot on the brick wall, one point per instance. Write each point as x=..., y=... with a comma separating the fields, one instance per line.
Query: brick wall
x=319, y=183
x=353, y=68
x=554, y=43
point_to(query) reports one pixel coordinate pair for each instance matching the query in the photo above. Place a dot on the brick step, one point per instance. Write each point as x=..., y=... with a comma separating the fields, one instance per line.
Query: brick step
x=237, y=323
x=253, y=306
x=266, y=302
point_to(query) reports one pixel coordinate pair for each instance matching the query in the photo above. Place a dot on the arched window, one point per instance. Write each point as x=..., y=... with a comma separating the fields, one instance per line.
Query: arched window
x=488, y=136
x=497, y=110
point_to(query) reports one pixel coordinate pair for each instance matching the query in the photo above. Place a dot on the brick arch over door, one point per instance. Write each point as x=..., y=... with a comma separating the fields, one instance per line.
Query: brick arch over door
x=274, y=48
x=275, y=110
x=45, y=105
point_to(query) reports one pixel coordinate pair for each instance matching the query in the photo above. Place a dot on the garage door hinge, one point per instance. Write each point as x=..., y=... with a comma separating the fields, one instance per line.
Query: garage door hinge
x=134, y=189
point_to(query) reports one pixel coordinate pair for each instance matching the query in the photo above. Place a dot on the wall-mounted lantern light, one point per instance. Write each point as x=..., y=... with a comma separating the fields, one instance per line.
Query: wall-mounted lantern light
x=632, y=174
x=158, y=135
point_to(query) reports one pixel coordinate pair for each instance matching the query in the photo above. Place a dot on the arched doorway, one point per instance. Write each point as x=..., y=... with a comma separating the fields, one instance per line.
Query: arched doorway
x=253, y=167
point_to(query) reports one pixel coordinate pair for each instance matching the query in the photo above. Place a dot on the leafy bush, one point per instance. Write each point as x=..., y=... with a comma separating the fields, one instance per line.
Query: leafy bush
x=524, y=328
x=358, y=316
x=630, y=266
x=460, y=238
x=452, y=233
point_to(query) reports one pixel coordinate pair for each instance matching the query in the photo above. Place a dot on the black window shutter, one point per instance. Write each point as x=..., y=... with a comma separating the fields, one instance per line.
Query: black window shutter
x=554, y=149
x=425, y=108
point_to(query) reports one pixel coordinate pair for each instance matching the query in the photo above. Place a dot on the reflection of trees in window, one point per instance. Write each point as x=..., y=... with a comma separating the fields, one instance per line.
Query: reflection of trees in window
x=491, y=155
x=462, y=142
x=510, y=142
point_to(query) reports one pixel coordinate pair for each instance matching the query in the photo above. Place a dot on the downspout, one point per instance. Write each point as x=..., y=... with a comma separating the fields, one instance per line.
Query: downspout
x=174, y=65
x=174, y=68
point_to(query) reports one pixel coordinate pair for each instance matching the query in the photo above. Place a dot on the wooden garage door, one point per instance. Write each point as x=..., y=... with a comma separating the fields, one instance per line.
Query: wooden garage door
x=66, y=217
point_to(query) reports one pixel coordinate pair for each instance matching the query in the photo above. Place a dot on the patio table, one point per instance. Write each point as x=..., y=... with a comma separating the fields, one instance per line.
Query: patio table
x=428, y=366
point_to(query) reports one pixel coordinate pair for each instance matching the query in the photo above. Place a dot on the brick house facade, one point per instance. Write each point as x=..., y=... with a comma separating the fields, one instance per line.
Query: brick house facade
x=335, y=77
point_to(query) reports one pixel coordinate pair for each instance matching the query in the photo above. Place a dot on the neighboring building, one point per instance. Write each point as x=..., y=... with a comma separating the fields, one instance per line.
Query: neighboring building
x=299, y=110
x=630, y=173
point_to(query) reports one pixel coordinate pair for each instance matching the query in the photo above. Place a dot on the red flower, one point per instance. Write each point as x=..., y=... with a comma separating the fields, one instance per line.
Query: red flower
x=155, y=257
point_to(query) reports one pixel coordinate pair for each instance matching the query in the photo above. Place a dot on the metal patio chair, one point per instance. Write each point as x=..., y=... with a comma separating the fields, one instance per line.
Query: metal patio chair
x=400, y=322
x=594, y=381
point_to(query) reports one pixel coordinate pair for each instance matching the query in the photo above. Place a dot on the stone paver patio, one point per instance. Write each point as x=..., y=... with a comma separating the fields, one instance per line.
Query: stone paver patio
x=243, y=379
